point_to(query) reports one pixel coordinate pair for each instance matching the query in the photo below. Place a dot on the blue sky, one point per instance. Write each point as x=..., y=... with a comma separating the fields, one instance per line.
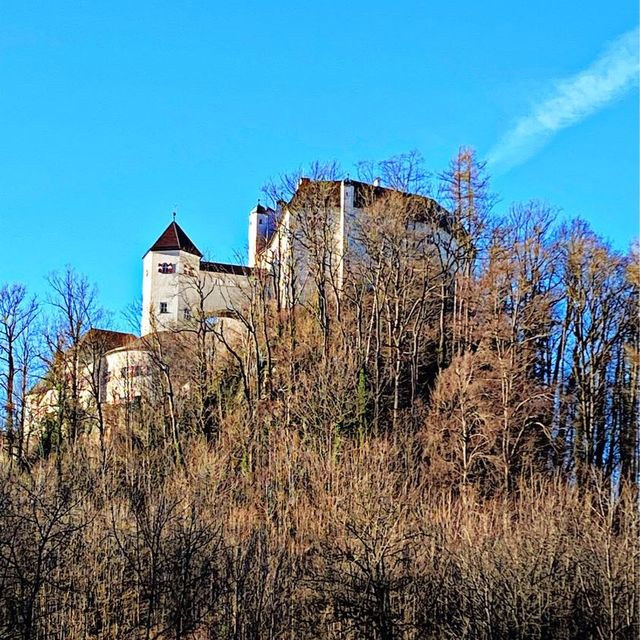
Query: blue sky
x=112, y=113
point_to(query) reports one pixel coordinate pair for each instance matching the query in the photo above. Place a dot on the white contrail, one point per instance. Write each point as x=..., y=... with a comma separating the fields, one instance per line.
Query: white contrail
x=570, y=101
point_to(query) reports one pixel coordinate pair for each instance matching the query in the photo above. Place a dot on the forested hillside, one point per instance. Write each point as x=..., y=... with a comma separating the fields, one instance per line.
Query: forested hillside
x=444, y=446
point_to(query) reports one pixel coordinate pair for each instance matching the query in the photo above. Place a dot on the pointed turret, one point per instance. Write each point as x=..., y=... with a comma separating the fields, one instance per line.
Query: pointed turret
x=171, y=257
x=261, y=224
x=175, y=239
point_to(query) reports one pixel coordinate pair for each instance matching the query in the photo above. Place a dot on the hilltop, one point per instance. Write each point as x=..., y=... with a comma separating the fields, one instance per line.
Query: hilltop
x=406, y=417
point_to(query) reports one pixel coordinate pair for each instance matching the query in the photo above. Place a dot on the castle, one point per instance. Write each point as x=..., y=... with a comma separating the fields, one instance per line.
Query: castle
x=177, y=282
x=180, y=288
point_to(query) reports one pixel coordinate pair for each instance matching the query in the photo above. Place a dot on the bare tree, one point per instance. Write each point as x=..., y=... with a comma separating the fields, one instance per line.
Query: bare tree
x=403, y=172
x=465, y=191
x=17, y=313
x=75, y=310
x=598, y=298
x=398, y=267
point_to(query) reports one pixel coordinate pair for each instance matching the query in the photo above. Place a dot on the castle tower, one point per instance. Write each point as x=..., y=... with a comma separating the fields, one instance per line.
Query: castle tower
x=173, y=256
x=261, y=227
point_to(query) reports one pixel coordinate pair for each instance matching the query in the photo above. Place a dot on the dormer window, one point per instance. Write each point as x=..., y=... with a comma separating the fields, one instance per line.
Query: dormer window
x=164, y=307
x=166, y=267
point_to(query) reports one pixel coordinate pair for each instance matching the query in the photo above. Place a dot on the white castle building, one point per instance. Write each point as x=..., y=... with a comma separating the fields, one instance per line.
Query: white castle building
x=177, y=283
x=179, y=287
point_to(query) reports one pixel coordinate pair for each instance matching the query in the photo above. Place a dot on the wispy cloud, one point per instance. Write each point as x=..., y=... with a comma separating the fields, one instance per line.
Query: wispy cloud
x=570, y=101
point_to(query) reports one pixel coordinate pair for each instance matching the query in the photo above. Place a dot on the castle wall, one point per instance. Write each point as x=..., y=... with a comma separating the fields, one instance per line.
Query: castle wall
x=216, y=292
x=289, y=257
x=189, y=290
x=161, y=291
x=128, y=374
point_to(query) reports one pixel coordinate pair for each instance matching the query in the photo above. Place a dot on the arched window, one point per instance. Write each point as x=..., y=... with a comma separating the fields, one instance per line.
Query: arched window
x=166, y=267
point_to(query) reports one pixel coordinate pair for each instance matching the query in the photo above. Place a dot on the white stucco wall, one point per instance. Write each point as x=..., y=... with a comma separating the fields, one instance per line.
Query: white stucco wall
x=213, y=293
x=286, y=253
x=188, y=288
x=128, y=374
x=160, y=288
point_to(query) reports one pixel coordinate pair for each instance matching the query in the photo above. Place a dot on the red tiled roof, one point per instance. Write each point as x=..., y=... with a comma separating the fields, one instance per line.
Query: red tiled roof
x=220, y=267
x=106, y=338
x=327, y=193
x=175, y=238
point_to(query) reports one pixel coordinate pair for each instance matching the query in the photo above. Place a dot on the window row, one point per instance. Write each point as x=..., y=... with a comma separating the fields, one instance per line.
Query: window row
x=186, y=313
x=128, y=372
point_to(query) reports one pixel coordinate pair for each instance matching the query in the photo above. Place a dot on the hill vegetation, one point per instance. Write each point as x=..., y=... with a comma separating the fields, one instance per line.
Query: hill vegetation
x=446, y=447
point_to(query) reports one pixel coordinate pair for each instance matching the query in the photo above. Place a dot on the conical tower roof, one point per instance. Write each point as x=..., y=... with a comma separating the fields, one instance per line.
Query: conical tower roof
x=259, y=209
x=173, y=238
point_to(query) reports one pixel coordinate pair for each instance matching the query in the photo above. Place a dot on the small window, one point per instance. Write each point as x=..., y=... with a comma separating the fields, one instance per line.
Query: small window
x=164, y=307
x=187, y=314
